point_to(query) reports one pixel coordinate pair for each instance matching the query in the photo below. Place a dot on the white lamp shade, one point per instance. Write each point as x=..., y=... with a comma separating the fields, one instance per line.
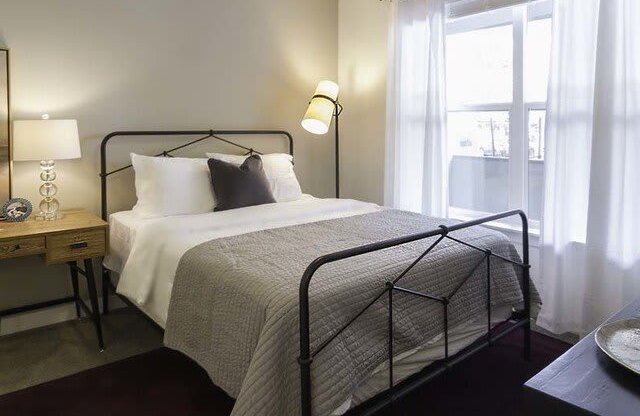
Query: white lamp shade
x=45, y=140
x=317, y=119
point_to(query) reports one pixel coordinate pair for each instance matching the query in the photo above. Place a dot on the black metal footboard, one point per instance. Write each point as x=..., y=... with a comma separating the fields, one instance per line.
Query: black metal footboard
x=522, y=320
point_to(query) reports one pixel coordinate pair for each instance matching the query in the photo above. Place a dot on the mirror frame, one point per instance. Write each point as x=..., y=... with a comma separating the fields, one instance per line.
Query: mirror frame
x=8, y=132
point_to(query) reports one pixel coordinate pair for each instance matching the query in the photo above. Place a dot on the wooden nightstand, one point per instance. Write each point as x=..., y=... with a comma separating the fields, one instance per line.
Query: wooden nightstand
x=77, y=237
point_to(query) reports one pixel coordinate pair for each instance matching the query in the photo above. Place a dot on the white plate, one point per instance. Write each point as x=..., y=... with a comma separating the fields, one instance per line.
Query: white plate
x=620, y=340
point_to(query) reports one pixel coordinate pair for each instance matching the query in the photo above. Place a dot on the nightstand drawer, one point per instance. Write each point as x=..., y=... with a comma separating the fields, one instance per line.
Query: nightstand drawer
x=75, y=246
x=22, y=247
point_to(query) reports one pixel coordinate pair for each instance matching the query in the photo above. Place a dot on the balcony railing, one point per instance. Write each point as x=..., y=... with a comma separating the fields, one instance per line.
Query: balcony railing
x=481, y=183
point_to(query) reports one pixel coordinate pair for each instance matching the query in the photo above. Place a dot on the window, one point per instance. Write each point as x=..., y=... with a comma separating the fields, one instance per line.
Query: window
x=497, y=70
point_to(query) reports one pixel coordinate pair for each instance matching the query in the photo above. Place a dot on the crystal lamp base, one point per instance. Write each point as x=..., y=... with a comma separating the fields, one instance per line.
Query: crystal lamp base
x=49, y=206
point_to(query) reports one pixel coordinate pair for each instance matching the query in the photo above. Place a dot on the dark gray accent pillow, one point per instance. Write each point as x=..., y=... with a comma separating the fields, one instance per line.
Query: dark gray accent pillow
x=239, y=186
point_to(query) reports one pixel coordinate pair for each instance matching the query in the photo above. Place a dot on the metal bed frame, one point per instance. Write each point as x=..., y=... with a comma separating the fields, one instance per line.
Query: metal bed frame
x=519, y=319
x=107, y=285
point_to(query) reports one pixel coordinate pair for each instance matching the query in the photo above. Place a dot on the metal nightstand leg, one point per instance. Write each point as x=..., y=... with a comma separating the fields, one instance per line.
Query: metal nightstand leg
x=93, y=297
x=106, y=280
x=94, y=312
x=76, y=291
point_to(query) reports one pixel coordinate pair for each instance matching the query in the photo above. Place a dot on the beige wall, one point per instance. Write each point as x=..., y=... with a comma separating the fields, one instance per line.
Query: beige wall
x=362, y=66
x=160, y=64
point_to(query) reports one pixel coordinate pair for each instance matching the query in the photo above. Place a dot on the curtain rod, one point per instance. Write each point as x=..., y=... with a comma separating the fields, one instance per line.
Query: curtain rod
x=462, y=8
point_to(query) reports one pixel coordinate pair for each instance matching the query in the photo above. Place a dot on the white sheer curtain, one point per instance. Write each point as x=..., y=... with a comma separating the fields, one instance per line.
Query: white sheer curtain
x=416, y=154
x=591, y=228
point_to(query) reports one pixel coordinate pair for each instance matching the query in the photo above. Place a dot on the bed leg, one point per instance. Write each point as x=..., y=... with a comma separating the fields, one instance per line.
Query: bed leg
x=527, y=312
x=527, y=341
x=105, y=290
x=526, y=283
x=390, y=339
x=305, y=359
x=488, y=254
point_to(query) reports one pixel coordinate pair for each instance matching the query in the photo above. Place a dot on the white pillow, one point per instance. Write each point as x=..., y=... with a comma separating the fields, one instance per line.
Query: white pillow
x=172, y=186
x=279, y=170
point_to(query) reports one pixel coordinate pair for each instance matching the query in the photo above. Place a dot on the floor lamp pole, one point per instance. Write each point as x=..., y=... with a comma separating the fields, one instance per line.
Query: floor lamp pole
x=337, y=115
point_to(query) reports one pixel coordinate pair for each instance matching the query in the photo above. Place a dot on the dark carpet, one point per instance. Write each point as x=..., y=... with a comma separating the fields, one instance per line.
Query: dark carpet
x=164, y=382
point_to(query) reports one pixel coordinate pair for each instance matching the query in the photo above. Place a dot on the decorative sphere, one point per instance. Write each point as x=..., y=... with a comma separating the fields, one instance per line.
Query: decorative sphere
x=49, y=205
x=48, y=175
x=48, y=189
x=47, y=164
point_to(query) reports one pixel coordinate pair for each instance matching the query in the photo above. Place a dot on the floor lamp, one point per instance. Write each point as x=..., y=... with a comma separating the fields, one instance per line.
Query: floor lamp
x=322, y=108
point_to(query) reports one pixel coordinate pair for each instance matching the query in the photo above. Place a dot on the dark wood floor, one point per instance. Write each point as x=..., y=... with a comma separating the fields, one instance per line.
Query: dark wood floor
x=164, y=382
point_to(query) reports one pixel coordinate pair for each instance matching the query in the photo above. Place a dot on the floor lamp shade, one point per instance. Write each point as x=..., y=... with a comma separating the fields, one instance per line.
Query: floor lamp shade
x=321, y=109
x=46, y=141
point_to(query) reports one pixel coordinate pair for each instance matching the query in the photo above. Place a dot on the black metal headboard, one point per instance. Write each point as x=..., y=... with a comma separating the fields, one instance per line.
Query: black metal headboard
x=206, y=134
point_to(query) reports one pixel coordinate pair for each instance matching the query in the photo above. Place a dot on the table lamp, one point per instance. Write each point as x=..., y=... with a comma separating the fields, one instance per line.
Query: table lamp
x=46, y=140
x=322, y=108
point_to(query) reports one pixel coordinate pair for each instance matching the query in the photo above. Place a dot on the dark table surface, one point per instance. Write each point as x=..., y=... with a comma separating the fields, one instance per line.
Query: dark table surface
x=585, y=381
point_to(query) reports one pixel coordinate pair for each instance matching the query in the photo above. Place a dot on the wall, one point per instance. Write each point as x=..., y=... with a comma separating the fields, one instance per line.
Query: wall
x=160, y=64
x=362, y=64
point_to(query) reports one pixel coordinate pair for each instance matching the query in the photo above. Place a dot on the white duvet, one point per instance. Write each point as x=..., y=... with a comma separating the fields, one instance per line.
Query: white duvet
x=147, y=251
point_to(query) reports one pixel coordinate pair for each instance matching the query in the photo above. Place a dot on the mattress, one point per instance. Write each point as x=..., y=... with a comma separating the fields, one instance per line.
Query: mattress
x=146, y=252
x=122, y=232
x=123, y=227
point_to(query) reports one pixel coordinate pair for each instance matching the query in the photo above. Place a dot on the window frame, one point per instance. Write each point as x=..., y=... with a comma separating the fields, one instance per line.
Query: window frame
x=518, y=109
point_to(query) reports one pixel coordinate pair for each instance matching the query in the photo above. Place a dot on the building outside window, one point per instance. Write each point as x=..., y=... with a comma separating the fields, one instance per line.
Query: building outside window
x=497, y=71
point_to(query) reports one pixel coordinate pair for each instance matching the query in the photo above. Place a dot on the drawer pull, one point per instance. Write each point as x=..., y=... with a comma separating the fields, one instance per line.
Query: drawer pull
x=16, y=248
x=82, y=244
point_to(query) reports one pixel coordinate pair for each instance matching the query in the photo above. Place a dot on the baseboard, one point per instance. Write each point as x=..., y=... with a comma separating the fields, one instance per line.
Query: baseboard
x=48, y=316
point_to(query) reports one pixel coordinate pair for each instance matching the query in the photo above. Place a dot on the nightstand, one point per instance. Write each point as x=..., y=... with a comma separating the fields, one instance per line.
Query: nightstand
x=79, y=236
x=584, y=381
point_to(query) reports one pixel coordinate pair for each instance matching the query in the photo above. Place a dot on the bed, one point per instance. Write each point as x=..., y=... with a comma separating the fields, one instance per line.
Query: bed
x=315, y=306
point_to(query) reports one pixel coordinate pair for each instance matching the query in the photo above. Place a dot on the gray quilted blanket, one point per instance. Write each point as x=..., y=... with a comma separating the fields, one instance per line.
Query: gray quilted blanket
x=234, y=306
